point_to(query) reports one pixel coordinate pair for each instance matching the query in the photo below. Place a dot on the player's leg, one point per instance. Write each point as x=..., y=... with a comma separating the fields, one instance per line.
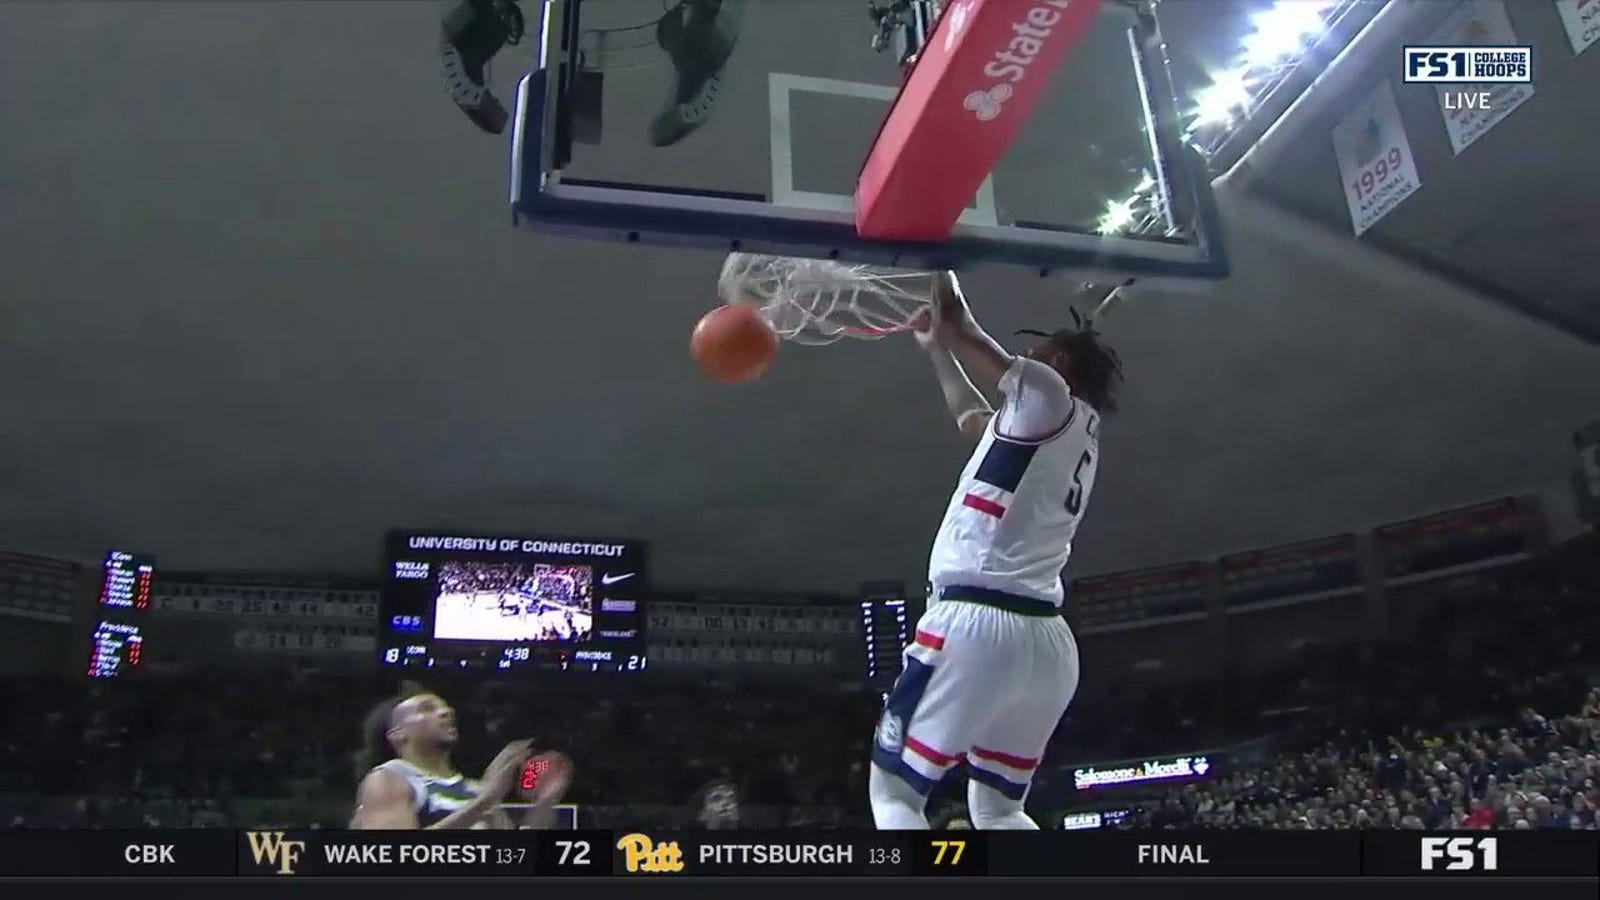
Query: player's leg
x=943, y=699
x=1003, y=758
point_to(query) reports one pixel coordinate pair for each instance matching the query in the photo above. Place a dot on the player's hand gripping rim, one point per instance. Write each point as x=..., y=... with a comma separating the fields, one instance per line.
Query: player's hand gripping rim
x=948, y=310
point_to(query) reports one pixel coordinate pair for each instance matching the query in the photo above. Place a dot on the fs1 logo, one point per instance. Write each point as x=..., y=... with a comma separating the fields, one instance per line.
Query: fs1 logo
x=1468, y=65
x=1461, y=854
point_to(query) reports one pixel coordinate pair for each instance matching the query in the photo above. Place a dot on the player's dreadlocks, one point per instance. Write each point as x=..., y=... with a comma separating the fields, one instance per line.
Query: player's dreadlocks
x=375, y=746
x=1095, y=370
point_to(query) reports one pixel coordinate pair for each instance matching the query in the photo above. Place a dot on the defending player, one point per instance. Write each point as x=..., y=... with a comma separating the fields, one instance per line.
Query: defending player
x=994, y=665
x=420, y=788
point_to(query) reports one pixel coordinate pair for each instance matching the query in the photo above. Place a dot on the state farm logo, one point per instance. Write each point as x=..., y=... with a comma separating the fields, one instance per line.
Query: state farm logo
x=1010, y=63
x=986, y=104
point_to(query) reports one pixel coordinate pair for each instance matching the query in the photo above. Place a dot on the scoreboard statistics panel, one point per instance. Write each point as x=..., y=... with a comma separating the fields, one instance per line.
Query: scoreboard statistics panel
x=886, y=621
x=116, y=640
x=496, y=602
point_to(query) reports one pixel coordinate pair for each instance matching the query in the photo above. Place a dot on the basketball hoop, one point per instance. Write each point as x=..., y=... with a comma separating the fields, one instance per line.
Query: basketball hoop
x=820, y=301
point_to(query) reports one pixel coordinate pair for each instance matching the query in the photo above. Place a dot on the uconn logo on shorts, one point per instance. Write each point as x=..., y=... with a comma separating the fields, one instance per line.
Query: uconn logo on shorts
x=890, y=733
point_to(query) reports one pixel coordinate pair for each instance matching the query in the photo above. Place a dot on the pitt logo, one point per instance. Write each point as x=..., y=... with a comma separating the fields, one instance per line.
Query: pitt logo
x=1011, y=62
x=269, y=847
x=640, y=854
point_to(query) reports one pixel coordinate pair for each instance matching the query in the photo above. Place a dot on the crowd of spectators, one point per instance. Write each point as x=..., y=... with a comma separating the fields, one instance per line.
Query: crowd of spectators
x=1535, y=773
x=1489, y=717
x=196, y=740
x=1486, y=714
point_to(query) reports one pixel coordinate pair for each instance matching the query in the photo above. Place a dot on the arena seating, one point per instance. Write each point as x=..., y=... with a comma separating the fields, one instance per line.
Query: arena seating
x=1489, y=717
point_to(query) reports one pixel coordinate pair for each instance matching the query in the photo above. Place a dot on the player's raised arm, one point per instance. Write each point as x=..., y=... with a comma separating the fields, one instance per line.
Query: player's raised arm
x=967, y=404
x=956, y=345
x=980, y=356
x=552, y=786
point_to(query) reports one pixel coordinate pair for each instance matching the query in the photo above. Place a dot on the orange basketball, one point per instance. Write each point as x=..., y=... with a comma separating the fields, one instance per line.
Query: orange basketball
x=733, y=344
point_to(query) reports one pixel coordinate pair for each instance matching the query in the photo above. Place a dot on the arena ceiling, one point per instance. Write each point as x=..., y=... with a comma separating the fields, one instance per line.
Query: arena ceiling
x=262, y=302
x=1510, y=215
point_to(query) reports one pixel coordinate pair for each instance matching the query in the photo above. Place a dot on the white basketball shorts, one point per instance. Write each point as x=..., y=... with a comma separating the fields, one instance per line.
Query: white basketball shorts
x=982, y=684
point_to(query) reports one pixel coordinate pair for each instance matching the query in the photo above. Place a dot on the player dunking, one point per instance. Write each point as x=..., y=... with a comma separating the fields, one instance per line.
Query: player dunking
x=420, y=788
x=994, y=665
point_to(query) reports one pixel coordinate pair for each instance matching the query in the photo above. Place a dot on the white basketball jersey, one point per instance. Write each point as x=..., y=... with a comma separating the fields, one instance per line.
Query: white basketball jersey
x=1010, y=522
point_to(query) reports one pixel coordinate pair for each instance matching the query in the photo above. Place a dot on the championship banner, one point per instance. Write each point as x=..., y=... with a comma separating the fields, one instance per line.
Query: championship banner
x=287, y=855
x=1464, y=539
x=1139, y=598
x=1581, y=19
x=1375, y=161
x=1476, y=23
x=1290, y=573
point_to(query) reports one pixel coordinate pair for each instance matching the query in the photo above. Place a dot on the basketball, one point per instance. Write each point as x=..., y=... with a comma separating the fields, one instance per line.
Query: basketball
x=733, y=344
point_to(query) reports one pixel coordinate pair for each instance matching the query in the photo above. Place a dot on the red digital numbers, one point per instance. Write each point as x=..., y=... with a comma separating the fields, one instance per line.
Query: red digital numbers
x=1377, y=173
x=531, y=770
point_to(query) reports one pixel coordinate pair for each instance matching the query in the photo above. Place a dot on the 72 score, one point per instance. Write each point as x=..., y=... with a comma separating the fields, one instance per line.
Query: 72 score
x=1375, y=173
x=573, y=854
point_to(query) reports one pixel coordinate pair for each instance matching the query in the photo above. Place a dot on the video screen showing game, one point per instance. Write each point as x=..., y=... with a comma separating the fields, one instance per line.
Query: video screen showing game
x=513, y=602
x=483, y=601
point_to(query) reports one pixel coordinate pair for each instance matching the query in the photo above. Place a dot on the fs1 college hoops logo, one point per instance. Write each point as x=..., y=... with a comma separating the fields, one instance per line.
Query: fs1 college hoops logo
x=1468, y=65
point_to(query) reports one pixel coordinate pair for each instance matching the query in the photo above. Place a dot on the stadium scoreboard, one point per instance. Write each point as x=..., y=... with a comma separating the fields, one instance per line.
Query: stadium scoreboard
x=786, y=854
x=885, y=631
x=117, y=635
x=513, y=603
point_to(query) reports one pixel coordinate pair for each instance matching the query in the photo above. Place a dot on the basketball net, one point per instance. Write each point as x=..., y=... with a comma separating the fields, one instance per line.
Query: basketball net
x=820, y=301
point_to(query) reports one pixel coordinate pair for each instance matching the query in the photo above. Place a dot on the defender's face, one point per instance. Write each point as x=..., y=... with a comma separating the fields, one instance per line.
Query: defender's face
x=426, y=719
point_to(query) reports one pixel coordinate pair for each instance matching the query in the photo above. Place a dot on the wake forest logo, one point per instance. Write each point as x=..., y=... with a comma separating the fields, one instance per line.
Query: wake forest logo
x=269, y=848
x=641, y=854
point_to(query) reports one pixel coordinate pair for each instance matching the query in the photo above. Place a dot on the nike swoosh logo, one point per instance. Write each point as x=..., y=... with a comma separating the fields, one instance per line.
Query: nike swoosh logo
x=613, y=579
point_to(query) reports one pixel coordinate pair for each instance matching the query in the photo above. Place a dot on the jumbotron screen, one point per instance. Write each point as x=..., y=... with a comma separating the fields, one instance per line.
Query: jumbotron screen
x=553, y=603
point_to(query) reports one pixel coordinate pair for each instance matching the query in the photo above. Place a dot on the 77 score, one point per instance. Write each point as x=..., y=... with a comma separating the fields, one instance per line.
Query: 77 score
x=953, y=848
